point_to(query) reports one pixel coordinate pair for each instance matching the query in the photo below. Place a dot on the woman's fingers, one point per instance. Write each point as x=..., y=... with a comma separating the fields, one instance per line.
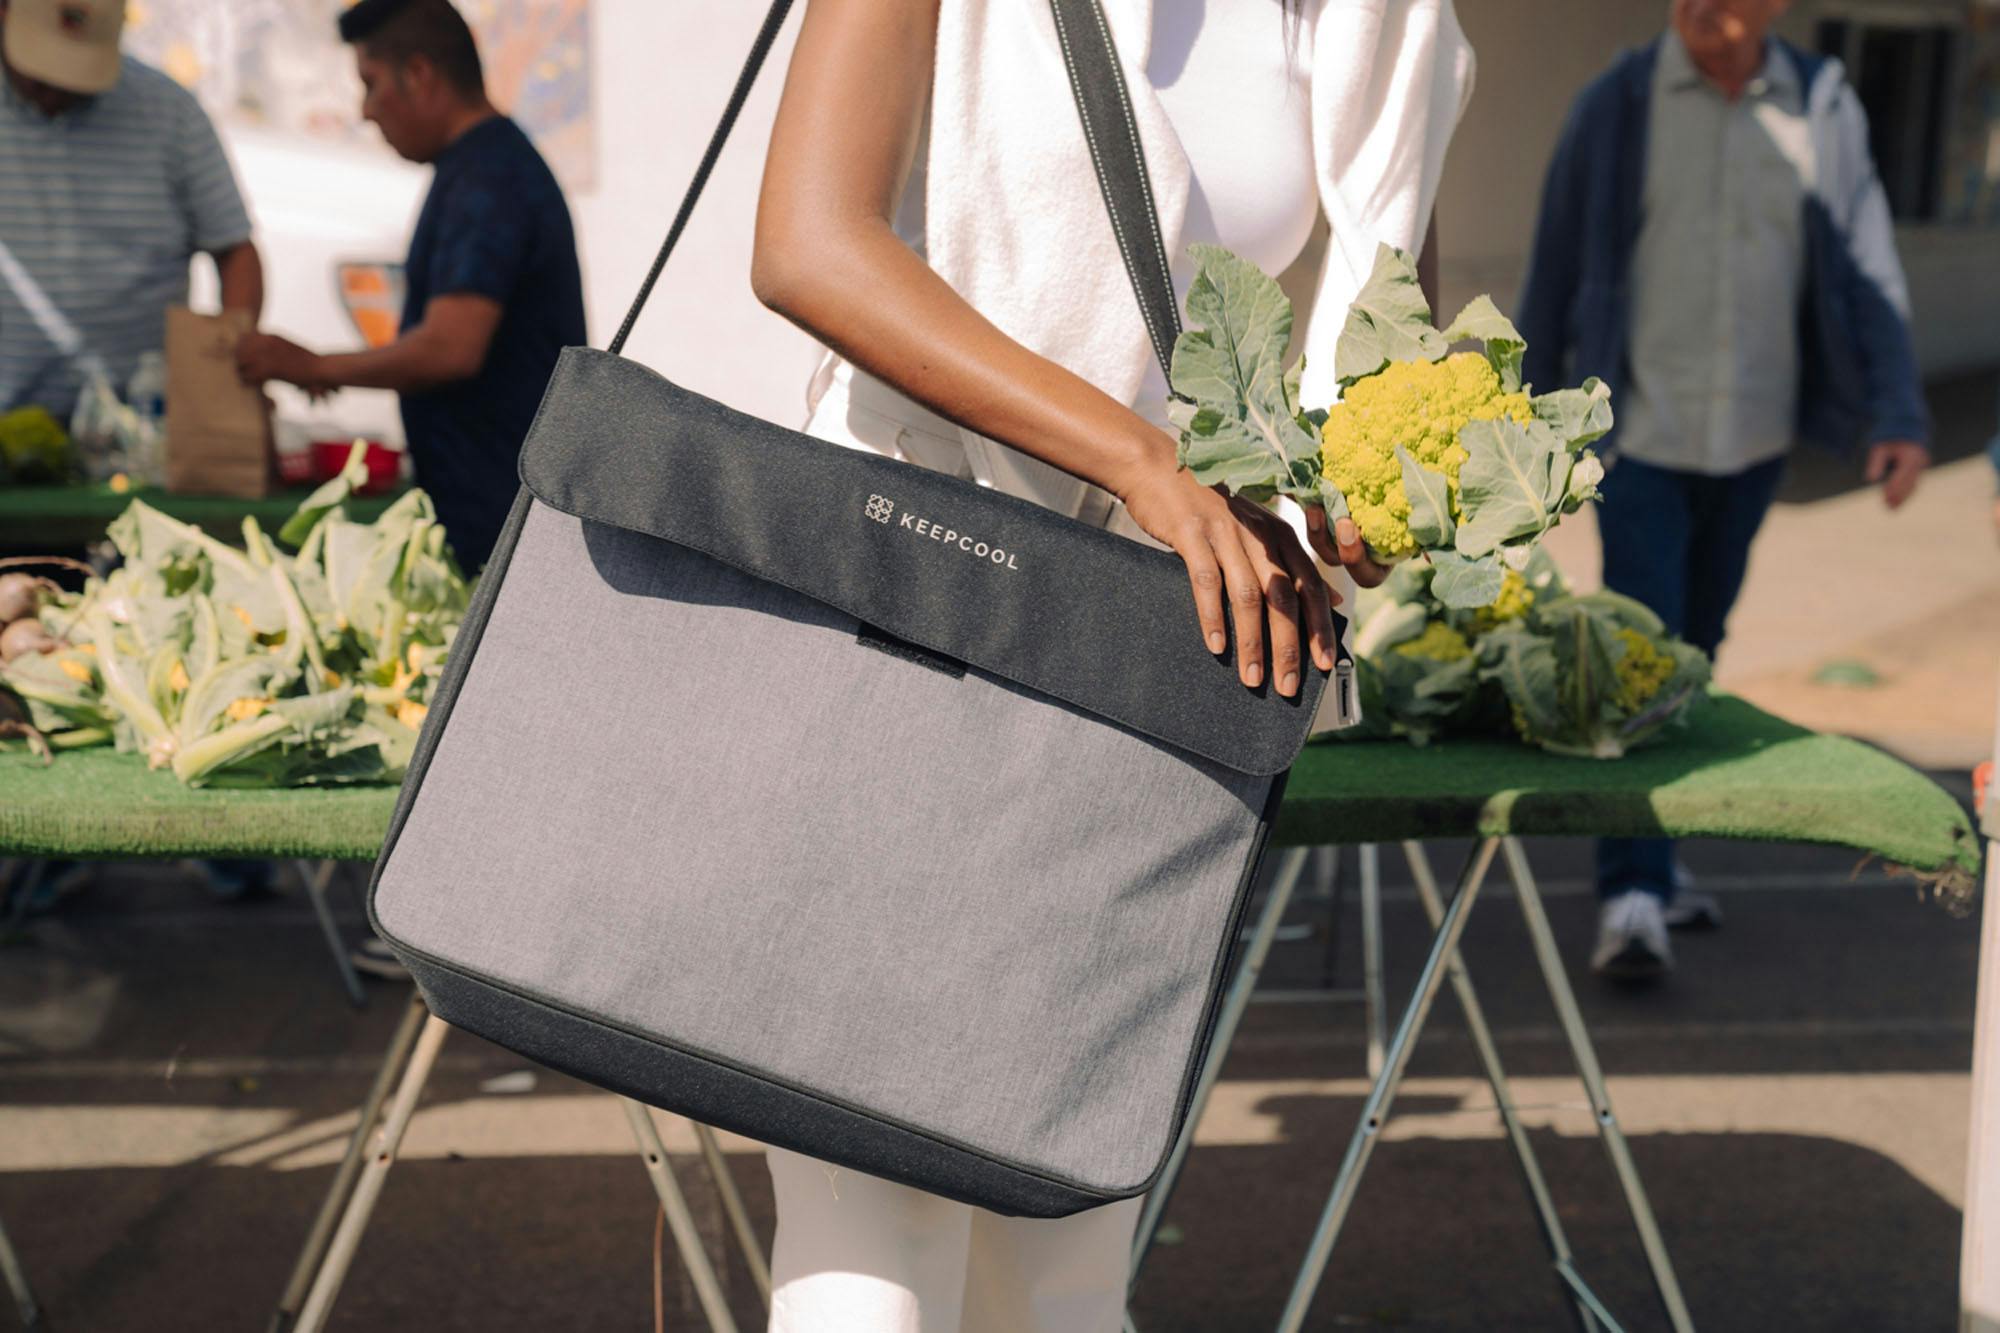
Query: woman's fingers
x=1316, y=600
x=1246, y=597
x=1281, y=612
x=1353, y=553
x=1323, y=547
x=1309, y=601
x=1318, y=537
x=1206, y=578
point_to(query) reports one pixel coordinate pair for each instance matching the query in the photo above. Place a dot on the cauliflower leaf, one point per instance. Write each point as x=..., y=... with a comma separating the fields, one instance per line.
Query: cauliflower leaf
x=1505, y=347
x=1464, y=582
x=1239, y=414
x=1389, y=321
x=1578, y=416
x=1429, y=495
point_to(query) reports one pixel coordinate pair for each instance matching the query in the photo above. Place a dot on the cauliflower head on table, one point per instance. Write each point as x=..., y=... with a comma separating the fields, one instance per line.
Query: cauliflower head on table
x=1422, y=406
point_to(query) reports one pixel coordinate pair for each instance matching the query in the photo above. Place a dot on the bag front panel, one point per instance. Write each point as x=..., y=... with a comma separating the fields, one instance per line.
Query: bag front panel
x=692, y=804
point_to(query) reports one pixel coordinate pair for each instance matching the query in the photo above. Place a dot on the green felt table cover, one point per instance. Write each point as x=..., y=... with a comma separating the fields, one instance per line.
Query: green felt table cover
x=53, y=518
x=1736, y=772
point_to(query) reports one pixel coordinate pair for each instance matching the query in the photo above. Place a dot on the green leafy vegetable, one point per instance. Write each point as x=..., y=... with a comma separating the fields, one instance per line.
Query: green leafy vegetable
x=251, y=667
x=1429, y=452
x=1239, y=414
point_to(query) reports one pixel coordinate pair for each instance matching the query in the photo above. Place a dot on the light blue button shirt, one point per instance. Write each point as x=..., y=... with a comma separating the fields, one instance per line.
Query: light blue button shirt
x=103, y=206
x=1719, y=269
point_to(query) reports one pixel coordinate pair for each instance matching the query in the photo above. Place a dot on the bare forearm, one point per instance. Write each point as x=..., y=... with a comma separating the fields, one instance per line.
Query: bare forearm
x=915, y=333
x=412, y=364
x=240, y=274
x=827, y=258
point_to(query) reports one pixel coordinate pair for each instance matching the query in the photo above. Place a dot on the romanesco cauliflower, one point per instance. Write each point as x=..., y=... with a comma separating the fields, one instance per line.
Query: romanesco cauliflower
x=1516, y=599
x=1439, y=642
x=1422, y=406
x=1642, y=670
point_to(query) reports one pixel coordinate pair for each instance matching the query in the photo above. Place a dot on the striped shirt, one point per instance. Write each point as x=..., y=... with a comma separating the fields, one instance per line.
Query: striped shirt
x=103, y=206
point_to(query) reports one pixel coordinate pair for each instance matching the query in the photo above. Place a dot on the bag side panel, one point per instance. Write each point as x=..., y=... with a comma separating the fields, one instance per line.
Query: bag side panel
x=689, y=803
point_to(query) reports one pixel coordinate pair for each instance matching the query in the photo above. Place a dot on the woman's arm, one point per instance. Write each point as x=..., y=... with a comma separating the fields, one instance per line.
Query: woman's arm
x=827, y=258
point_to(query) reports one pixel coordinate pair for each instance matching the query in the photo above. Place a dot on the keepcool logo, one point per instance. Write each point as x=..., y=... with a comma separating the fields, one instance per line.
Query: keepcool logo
x=883, y=510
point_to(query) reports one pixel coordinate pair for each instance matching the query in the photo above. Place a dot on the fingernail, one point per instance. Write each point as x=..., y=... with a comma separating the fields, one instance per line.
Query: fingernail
x=1216, y=643
x=1253, y=676
x=1290, y=684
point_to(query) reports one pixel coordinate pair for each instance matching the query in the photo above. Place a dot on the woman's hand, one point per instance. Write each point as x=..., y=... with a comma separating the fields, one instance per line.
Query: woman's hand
x=1236, y=550
x=1343, y=547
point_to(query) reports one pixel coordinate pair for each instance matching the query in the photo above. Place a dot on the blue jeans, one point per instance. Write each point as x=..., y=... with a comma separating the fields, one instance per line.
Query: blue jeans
x=1679, y=543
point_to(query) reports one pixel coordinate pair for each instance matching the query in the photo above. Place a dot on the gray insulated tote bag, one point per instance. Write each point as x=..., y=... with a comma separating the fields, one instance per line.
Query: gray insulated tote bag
x=837, y=802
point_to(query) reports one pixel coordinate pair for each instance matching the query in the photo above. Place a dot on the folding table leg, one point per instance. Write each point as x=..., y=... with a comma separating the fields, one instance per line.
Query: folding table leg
x=317, y=876
x=17, y=1283
x=732, y=1204
x=687, y=1238
x=1283, y=884
x=1587, y=1068
x=1377, y=1014
x=1375, y=1112
x=354, y=1220
x=350, y=1165
x=1324, y=867
x=1503, y=1096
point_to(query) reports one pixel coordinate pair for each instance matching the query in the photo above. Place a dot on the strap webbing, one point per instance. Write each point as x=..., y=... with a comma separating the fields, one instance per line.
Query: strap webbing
x=1109, y=128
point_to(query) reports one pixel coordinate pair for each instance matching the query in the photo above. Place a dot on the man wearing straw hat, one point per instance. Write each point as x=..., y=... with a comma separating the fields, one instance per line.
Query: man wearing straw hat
x=114, y=180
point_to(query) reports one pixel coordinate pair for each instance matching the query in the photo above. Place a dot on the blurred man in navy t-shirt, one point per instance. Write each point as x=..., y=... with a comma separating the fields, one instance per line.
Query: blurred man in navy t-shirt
x=494, y=290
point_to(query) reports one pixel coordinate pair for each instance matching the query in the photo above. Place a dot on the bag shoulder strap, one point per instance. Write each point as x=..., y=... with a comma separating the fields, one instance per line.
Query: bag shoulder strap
x=1105, y=106
x=1109, y=128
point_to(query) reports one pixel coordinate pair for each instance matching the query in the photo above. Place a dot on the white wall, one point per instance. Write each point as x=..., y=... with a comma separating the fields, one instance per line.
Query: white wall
x=664, y=72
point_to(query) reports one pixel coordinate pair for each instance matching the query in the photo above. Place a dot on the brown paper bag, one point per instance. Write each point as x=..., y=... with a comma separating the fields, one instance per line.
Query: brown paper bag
x=218, y=427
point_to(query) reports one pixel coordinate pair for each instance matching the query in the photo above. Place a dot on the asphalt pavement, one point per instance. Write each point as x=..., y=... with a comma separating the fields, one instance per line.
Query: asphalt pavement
x=176, y=1073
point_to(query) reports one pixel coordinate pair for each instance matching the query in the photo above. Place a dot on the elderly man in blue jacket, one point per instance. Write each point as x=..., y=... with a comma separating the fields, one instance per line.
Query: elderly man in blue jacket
x=1716, y=246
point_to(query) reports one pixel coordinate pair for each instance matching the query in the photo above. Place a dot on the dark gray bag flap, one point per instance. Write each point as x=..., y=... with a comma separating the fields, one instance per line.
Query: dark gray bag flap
x=963, y=572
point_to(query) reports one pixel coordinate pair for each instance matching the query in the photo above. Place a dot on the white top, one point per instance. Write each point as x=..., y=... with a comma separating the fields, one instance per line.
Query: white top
x=1010, y=214
x=1719, y=270
x=1237, y=88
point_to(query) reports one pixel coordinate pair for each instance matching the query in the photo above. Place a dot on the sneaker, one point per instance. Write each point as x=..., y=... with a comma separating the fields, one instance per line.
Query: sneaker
x=375, y=958
x=1693, y=911
x=1632, y=938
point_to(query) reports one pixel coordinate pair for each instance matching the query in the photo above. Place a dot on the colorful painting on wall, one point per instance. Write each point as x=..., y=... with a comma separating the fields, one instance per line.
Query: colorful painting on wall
x=280, y=63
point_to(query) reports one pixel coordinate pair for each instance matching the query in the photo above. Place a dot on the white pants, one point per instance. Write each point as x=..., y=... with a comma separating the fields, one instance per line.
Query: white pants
x=857, y=1254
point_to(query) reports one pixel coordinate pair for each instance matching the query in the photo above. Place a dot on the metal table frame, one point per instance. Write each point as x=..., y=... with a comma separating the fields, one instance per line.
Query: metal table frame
x=1291, y=870
x=343, y=1217
x=1448, y=922
x=17, y=1283
x=317, y=876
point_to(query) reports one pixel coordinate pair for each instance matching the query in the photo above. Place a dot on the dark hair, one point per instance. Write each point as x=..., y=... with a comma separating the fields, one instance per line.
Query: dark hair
x=395, y=30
